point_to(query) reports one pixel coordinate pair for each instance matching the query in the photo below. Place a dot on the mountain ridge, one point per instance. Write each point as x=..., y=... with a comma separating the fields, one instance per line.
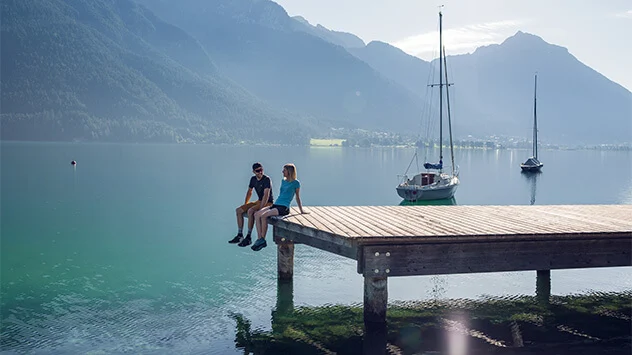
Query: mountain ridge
x=230, y=70
x=79, y=70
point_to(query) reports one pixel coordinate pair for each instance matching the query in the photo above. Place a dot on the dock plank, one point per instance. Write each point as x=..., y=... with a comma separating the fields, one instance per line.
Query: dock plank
x=373, y=224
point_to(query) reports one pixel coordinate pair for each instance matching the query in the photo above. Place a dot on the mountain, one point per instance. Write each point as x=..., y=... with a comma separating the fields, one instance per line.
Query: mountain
x=233, y=70
x=576, y=104
x=343, y=39
x=256, y=43
x=409, y=71
x=493, y=91
x=111, y=70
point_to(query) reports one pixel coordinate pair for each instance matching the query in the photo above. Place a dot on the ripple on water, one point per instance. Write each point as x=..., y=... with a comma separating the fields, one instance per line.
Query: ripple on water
x=75, y=323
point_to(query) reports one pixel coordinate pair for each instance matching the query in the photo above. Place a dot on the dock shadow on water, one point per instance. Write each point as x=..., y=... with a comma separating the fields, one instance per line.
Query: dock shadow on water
x=591, y=323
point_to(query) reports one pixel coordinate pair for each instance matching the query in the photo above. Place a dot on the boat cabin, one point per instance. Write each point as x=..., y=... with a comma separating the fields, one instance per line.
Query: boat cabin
x=422, y=179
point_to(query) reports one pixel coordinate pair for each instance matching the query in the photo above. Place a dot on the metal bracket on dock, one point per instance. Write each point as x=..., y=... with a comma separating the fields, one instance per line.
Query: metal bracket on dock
x=376, y=261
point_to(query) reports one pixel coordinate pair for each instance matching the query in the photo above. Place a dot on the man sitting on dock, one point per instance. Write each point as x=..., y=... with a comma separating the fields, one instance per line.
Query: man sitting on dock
x=263, y=186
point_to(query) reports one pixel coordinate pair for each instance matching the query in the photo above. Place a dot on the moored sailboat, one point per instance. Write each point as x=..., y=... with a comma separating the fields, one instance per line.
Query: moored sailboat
x=434, y=183
x=533, y=164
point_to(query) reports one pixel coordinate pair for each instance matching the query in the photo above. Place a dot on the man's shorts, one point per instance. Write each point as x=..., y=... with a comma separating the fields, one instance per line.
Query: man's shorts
x=249, y=205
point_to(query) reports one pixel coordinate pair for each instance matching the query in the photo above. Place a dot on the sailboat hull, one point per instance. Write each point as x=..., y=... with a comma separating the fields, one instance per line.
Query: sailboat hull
x=444, y=189
x=532, y=164
x=531, y=168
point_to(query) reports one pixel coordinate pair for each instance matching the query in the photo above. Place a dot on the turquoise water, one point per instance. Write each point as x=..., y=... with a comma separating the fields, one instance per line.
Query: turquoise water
x=128, y=250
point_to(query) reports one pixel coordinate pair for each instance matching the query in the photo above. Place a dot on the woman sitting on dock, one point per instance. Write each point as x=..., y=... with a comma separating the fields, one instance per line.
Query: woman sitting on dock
x=289, y=186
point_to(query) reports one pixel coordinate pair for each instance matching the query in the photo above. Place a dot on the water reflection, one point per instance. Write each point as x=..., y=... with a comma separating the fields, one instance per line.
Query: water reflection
x=532, y=177
x=590, y=323
x=446, y=202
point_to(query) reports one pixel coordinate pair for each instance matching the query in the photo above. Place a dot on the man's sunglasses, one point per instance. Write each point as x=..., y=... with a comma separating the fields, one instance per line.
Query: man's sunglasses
x=258, y=170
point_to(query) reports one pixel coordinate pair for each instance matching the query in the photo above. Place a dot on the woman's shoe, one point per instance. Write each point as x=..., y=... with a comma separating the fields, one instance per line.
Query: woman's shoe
x=259, y=244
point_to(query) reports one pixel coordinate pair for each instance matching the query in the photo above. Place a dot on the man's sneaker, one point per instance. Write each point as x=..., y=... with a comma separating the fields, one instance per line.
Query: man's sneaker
x=238, y=238
x=246, y=242
x=259, y=244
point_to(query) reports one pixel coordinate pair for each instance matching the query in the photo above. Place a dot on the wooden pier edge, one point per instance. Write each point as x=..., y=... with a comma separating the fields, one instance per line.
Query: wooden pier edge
x=570, y=239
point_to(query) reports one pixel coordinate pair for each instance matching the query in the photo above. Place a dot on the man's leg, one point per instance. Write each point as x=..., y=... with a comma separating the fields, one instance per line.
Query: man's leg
x=251, y=218
x=239, y=212
x=251, y=221
x=240, y=218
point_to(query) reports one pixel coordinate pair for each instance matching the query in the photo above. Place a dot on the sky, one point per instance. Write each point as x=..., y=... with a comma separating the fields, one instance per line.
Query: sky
x=598, y=33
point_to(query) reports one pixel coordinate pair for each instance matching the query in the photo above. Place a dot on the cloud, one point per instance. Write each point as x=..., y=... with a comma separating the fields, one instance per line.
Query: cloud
x=458, y=40
x=625, y=14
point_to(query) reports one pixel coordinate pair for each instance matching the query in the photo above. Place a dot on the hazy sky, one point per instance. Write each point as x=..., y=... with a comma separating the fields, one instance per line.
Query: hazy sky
x=598, y=33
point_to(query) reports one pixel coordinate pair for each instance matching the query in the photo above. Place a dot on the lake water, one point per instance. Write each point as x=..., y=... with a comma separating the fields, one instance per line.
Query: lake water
x=128, y=252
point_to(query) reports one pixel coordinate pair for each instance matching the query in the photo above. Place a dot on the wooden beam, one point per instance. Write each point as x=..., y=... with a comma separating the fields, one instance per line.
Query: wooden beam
x=375, y=304
x=543, y=287
x=375, y=299
x=375, y=339
x=338, y=239
x=285, y=261
x=282, y=235
x=434, y=259
x=284, y=306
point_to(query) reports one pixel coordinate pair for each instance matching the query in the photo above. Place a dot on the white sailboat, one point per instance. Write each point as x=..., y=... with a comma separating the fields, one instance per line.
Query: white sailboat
x=533, y=164
x=434, y=183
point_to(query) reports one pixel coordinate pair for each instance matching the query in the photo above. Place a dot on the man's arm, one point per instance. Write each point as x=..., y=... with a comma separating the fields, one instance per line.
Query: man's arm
x=248, y=195
x=266, y=197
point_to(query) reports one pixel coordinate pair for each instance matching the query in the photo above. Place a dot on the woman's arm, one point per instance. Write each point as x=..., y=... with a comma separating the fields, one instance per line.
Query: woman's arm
x=298, y=199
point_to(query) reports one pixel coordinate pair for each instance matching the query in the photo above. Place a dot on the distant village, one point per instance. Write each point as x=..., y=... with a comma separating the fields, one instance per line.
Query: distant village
x=341, y=137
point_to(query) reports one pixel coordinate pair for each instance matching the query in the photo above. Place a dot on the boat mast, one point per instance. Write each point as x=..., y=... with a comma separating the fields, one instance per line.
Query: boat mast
x=440, y=88
x=447, y=99
x=535, y=118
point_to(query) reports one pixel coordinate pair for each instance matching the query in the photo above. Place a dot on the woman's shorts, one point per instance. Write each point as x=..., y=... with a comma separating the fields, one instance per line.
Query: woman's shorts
x=283, y=211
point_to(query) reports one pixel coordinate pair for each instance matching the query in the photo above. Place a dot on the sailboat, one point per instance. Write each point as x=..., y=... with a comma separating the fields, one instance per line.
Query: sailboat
x=533, y=164
x=434, y=183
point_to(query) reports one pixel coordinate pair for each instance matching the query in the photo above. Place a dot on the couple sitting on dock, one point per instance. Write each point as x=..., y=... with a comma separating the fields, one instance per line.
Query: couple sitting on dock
x=259, y=211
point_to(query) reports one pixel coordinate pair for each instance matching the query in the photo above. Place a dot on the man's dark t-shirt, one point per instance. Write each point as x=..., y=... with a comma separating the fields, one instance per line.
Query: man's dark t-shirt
x=260, y=185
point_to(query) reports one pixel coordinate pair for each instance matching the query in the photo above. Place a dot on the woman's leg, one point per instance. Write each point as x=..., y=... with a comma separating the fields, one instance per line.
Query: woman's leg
x=264, y=221
x=258, y=219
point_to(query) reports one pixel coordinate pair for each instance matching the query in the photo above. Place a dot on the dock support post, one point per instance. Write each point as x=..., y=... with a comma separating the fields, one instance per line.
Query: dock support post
x=375, y=304
x=543, y=286
x=284, y=306
x=285, y=283
x=285, y=261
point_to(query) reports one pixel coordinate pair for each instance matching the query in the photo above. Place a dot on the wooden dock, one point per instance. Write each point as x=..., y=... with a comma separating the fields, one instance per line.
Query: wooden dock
x=388, y=241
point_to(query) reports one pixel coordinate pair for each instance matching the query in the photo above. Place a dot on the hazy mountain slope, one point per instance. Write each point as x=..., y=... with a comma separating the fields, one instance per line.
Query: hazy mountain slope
x=406, y=69
x=576, y=104
x=493, y=91
x=229, y=70
x=343, y=39
x=255, y=43
x=110, y=70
